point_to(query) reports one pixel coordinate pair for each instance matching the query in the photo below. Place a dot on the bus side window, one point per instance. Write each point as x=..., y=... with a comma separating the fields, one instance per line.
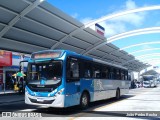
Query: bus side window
x=72, y=70
x=96, y=70
x=87, y=72
x=126, y=75
x=114, y=73
x=122, y=75
x=111, y=74
x=117, y=74
x=105, y=72
x=129, y=76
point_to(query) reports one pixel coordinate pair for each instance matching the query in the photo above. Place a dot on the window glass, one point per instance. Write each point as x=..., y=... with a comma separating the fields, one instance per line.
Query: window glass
x=111, y=73
x=87, y=69
x=122, y=75
x=129, y=76
x=126, y=75
x=47, y=70
x=96, y=71
x=118, y=74
x=73, y=68
x=105, y=72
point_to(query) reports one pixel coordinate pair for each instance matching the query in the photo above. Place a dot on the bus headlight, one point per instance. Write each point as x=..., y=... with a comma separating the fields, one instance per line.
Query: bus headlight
x=59, y=92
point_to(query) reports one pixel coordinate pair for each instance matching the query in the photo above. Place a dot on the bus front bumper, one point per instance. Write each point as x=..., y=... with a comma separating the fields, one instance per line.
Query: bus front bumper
x=57, y=101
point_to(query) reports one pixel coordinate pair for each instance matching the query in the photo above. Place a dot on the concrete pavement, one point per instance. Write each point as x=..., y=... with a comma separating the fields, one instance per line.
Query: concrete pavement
x=140, y=99
x=144, y=103
x=8, y=99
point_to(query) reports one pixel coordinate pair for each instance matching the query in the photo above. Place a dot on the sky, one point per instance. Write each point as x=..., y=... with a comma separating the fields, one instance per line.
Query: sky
x=87, y=10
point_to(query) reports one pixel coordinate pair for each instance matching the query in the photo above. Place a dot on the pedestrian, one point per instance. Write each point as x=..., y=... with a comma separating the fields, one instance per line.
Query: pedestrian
x=20, y=85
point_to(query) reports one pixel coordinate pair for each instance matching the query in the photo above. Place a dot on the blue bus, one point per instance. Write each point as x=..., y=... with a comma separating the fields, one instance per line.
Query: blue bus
x=62, y=78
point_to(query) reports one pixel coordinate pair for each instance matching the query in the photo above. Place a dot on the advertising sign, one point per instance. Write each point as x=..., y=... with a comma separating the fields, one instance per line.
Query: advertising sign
x=5, y=58
x=99, y=29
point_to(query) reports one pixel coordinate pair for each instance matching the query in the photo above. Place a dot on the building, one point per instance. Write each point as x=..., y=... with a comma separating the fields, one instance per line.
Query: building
x=9, y=65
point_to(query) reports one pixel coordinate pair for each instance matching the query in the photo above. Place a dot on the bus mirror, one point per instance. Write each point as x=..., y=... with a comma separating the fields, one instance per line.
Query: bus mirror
x=20, y=65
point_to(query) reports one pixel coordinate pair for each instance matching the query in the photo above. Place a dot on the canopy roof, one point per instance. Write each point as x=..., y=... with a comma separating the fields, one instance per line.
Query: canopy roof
x=31, y=25
x=150, y=72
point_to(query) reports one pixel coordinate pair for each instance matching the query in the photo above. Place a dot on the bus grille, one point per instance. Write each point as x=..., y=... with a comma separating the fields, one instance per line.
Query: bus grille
x=43, y=102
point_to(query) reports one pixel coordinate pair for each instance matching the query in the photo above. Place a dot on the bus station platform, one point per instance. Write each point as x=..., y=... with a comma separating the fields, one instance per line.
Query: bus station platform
x=10, y=98
x=8, y=93
x=140, y=104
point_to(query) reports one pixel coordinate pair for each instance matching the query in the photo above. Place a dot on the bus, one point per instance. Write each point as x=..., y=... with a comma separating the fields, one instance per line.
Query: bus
x=62, y=78
x=149, y=81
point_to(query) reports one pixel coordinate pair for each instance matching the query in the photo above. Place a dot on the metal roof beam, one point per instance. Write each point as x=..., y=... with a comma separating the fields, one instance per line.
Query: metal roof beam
x=126, y=34
x=34, y=34
x=146, y=55
x=149, y=49
x=135, y=45
x=145, y=60
x=121, y=14
x=139, y=44
x=29, y=19
x=18, y=16
x=18, y=44
x=134, y=33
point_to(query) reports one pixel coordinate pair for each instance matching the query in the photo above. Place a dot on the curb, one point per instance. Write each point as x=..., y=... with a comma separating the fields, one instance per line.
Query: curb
x=10, y=102
x=8, y=94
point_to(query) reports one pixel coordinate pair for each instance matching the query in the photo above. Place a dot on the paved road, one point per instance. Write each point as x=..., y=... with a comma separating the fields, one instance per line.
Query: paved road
x=141, y=99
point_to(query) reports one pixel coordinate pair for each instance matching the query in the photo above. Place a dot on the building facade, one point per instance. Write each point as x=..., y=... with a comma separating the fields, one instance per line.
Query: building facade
x=9, y=65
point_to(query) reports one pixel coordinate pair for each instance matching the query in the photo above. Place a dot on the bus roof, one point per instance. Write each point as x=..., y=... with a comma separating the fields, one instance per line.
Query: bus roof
x=68, y=52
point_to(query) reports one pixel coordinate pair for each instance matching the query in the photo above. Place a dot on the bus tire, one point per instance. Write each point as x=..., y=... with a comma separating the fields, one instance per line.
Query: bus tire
x=117, y=94
x=84, y=101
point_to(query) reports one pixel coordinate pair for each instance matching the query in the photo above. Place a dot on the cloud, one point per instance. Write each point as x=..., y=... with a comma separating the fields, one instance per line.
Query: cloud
x=146, y=47
x=135, y=19
x=111, y=27
x=122, y=23
x=130, y=4
x=75, y=15
x=86, y=20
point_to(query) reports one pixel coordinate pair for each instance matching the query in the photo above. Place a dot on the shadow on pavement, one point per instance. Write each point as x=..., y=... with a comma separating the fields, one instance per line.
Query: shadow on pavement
x=71, y=111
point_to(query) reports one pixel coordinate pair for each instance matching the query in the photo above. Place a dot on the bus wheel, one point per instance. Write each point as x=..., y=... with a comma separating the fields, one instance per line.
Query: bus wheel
x=84, y=101
x=117, y=94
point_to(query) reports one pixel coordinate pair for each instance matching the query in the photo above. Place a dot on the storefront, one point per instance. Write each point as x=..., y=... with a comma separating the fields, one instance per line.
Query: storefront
x=5, y=60
x=9, y=65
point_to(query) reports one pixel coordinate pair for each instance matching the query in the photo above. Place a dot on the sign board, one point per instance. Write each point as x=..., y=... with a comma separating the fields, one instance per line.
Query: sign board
x=99, y=29
x=45, y=54
x=5, y=58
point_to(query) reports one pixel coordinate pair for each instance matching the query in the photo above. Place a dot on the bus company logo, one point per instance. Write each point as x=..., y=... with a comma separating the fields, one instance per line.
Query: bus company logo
x=6, y=114
x=42, y=82
x=97, y=85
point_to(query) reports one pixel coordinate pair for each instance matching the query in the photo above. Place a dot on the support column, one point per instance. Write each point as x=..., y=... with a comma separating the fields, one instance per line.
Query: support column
x=139, y=76
x=4, y=80
x=132, y=76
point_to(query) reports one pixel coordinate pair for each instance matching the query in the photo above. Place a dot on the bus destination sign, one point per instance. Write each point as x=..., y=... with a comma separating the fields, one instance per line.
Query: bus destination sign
x=46, y=55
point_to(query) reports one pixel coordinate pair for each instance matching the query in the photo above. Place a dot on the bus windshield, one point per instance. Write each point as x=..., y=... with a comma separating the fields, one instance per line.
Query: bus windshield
x=48, y=70
x=147, y=78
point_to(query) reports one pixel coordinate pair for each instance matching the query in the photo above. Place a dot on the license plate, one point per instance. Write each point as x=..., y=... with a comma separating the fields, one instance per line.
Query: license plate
x=40, y=99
